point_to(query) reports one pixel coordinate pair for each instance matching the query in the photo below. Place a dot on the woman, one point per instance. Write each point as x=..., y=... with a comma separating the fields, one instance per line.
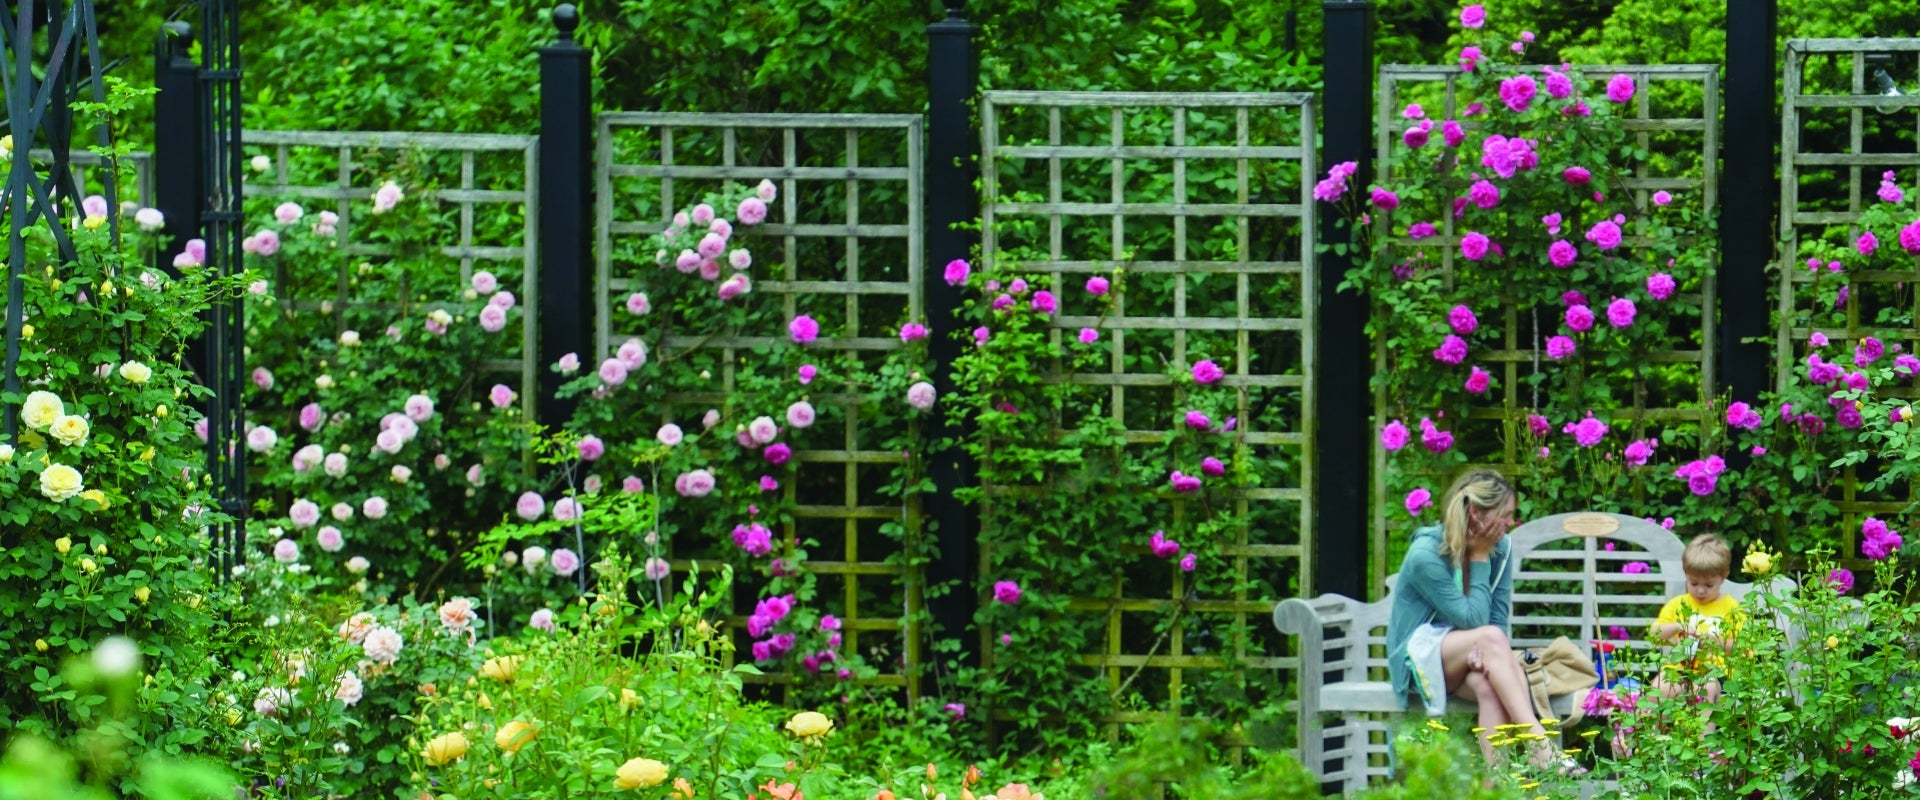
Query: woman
x=1448, y=633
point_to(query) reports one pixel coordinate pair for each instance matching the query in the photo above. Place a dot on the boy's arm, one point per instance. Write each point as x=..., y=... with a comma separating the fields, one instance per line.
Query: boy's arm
x=1667, y=627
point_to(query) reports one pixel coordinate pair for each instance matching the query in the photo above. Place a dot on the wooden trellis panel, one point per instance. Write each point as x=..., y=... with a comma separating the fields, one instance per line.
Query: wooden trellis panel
x=1071, y=163
x=1685, y=150
x=85, y=165
x=844, y=244
x=1827, y=81
x=491, y=180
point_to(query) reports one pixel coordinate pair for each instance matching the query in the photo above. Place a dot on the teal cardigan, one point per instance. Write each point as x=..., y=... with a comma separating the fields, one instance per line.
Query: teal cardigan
x=1429, y=591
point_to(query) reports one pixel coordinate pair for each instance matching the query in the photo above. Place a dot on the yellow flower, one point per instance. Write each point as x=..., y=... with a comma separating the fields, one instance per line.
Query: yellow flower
x=6, y=453
x=501, y=669
x=142, y=594
x=629, y=699
x=160, y=411
x=640, y=773
x=1833, y=642
x=483, y=702
x=809, y=723
x=1549, y=721
x=62, y=545
x=97, y=497
x=41, y=409
x=682, y=789
x=1906, y=413
x=26, y=331
x=1589, y=733
x=1436, y=725
x=6, y=143
x=100, y=549
x=88, y=566
x=1757, y=563
x=93, y=222
x=445, y=748
x=148, y=454
x=136, y=372
x=515, y=735
x=40, y=645
x=59, y=482
x=70, y=430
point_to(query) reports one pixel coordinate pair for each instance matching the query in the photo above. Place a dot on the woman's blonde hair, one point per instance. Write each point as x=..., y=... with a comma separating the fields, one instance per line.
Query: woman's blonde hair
x=1483, y=489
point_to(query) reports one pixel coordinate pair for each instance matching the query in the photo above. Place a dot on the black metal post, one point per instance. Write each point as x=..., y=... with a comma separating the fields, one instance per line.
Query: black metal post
x=952, y=159
x=1344, y=440
x=1749, y=189
x=224, y=224
x=566, y=210
x=177, y=164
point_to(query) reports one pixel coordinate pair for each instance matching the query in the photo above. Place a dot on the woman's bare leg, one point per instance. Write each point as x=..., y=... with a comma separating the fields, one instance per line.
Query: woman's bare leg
x=1492, y=713
x=1496, y=662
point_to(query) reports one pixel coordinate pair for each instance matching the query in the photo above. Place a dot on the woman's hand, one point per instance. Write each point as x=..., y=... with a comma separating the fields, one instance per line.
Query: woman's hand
x=1476, y=662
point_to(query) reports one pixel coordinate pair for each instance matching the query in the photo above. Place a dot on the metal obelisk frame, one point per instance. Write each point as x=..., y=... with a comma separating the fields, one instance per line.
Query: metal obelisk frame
x=223, y=225
x=39, y=116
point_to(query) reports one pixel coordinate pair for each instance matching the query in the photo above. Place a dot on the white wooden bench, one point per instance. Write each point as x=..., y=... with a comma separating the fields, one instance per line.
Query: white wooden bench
x=1566, y=583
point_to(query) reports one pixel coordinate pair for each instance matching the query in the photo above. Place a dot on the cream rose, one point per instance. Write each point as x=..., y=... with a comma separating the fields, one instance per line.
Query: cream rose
x=41, y=409
x=59, y=482
x=70, y=430
x=640, y=773
x=136, y=372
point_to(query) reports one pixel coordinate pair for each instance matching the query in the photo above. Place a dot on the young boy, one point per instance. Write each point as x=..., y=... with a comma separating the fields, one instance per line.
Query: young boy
x=1701, y=614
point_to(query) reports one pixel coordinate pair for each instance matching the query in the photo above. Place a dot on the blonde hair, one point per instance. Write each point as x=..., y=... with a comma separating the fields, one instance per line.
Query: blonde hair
x=1483, y=489
x=1707, y=554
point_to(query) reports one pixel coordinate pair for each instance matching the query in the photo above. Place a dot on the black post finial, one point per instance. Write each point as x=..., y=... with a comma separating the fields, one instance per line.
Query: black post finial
x=955, y=9
x=179, y=38
x=566, y=19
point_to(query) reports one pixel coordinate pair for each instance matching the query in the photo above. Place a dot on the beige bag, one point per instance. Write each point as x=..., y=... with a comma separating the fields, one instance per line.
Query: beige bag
x=1560, y=668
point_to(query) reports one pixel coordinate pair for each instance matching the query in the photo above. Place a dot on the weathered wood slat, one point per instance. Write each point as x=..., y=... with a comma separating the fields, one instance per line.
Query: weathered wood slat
x=702, y=120
x=771, y=230
x=1279, y=100
x=1167, y=267
x=1184, y=323
x=1124, y=379
x=385, y=140
x=1220, y=151
x=1155, y=209
x=758, y=173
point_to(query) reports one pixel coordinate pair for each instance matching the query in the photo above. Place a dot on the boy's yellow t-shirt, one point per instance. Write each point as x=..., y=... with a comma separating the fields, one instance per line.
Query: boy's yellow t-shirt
x=1726, y=608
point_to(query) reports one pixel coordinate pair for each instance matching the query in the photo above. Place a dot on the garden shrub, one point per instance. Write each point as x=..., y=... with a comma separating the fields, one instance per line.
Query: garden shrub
x=102, y=500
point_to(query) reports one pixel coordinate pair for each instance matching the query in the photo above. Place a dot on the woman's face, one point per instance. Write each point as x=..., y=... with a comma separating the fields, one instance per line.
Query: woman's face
x=1493, y=522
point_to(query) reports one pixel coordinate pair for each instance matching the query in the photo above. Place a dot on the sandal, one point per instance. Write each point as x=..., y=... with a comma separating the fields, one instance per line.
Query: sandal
x=1569, y=768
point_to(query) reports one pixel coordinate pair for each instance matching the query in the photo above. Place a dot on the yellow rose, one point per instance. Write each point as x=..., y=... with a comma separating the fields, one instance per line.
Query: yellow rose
x=809, y=723
x=501, y=669
x=483, y=702
x=1833, y=642
x=143, y=594
x=136, y=372
x=98, y=498
x=26, y=331
x=87, y=566
x=59, y=482
x=6, y=143
x=629, y=699
x=160, y=410
x=445, y=748
x=93, y=222
x=6, y=453
x=106, y=287
x=40, y=645
x=640, y=773
x=70, y=430
x=62, y=545
x=1757, y=563
x=1906, y=413
x=147, y=454
x=100, y=549
x=41, y=409
x=515, y=735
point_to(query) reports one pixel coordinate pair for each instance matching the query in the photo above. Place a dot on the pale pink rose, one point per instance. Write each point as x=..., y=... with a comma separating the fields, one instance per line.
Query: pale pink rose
x=698, y=483
x=658, y=569
x=633, y=353
x=541, y=620
x=670, y=435
x=349, y=689
x=484, y=282
x=442, y=461
x=631, y=485
x=734, y=286
x=308, y=457
x=270, y=700
x=613, y=372
x=638, y=304
x=389, y=441
x=386, y=197
x=477, y=475
x=262, y=439
x=304, y=513
x=335, y=465
x=711, y=418
x=592, y=484
x=262, y=378
x=341, y=512
x=591, y=448
x=763, y=430
x=500, y=396
x=752, y=211
x=569, y=364
x=493, y=319
x=564, y=561
x=457, y=615
x=330, y=539
x=382, y=645
x=266, y=242
x=502, y=300
x=800, y=414
x=149, y=219
x=533, y=558
x=739, y=258
x=374, y=507
x=401, y=473
x=288, y=212
x=530, y=506
x=285, y=551
x=419, y=408
x=709, y=270
x=920, y=395
x=358, y=565
x=311, y=416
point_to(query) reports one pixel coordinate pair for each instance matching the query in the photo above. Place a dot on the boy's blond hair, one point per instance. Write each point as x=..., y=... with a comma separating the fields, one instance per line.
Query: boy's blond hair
x=1707, y=554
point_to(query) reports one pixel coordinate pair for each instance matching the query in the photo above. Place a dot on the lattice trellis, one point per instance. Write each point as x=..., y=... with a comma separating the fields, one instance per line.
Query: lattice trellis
x=86, y=165
x=1223, y=263
x=1674, y=117
x=490, y=180
x=1827, y=81
x=847, y=248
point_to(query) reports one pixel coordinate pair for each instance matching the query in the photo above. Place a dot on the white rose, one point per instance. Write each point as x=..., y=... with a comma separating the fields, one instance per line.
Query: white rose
x=135, y=372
